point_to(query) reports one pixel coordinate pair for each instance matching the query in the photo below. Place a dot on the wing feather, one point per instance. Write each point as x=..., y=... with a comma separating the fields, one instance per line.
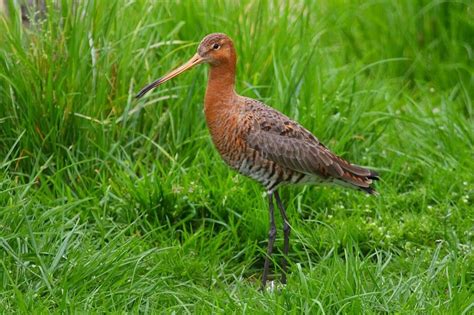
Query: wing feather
x=285, y=142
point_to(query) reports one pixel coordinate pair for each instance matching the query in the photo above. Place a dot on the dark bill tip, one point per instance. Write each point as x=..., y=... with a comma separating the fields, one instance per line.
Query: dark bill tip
x=147, y=88
x=195, y=60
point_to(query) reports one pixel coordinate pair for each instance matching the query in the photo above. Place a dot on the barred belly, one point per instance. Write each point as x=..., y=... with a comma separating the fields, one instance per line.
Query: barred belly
x=268, y=173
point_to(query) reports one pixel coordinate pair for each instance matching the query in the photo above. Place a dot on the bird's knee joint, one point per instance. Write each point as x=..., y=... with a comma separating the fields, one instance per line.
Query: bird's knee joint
x=272, y=233
x=286, y=229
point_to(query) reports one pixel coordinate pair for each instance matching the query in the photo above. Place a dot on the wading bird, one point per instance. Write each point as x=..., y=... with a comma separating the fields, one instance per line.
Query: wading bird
x=262, y=143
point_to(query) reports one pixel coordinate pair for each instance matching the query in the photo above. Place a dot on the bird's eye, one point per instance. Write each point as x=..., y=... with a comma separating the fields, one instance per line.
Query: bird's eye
x=216, y=46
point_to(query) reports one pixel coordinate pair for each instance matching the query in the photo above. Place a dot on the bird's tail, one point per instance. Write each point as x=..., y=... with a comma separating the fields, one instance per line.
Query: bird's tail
x=357, y=177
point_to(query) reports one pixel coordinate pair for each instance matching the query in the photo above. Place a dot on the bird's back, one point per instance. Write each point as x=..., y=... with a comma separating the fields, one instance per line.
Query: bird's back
x=266, y=145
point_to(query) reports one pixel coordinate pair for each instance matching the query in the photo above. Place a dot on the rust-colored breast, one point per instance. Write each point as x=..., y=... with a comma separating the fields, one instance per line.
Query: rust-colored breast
x=226, y=131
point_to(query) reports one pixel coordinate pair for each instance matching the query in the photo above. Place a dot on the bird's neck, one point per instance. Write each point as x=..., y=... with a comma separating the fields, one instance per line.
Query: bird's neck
x=220, y=87
x=221, y=105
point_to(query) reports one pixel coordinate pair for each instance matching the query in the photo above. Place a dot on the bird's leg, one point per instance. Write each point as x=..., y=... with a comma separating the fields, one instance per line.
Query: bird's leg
x=286, y=234
x=271, y=239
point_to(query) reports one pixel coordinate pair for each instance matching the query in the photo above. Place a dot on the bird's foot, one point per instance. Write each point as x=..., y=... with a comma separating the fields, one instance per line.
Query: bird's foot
x=274, y=286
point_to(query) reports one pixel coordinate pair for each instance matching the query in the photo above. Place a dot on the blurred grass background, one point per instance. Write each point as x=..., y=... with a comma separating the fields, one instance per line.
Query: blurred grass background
x=110, y=204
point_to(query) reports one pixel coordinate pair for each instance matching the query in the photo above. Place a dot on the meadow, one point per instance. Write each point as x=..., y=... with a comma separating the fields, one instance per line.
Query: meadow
x=109, y=204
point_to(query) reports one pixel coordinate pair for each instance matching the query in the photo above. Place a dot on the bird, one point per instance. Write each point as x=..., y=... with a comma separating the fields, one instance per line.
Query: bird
x=258, y=141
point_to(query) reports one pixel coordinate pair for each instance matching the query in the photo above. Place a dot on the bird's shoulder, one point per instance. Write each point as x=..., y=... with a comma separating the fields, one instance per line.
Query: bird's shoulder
x=287, y=143
x=265, y=120
x=284, y=141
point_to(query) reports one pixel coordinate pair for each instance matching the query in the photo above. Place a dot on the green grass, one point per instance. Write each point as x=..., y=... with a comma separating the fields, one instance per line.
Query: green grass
x=109, y=204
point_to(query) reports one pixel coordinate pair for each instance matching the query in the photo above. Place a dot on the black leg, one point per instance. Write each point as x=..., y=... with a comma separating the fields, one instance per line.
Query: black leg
x=271, y=239
x=286, y=233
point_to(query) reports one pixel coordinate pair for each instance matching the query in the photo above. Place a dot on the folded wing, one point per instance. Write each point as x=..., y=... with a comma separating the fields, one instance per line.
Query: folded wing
x=285, y=142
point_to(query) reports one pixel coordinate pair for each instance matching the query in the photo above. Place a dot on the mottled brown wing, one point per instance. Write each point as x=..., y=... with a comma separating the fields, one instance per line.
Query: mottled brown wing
x=285, y=142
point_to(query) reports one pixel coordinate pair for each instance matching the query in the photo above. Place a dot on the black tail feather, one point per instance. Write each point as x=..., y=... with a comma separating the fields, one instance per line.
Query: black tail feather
x=369, y=190
x=373, y=175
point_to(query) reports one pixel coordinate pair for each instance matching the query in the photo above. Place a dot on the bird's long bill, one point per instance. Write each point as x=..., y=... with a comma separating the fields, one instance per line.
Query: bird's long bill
x=195, y=60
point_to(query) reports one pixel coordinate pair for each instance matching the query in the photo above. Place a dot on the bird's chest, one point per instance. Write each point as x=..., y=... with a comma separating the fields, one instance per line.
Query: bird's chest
x=226, y=129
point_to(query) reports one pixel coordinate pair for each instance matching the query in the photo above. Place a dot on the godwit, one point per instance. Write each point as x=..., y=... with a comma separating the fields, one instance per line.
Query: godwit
x=262, y=143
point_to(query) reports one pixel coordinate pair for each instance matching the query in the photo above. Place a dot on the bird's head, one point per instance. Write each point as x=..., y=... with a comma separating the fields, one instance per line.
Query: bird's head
x=216, y=49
